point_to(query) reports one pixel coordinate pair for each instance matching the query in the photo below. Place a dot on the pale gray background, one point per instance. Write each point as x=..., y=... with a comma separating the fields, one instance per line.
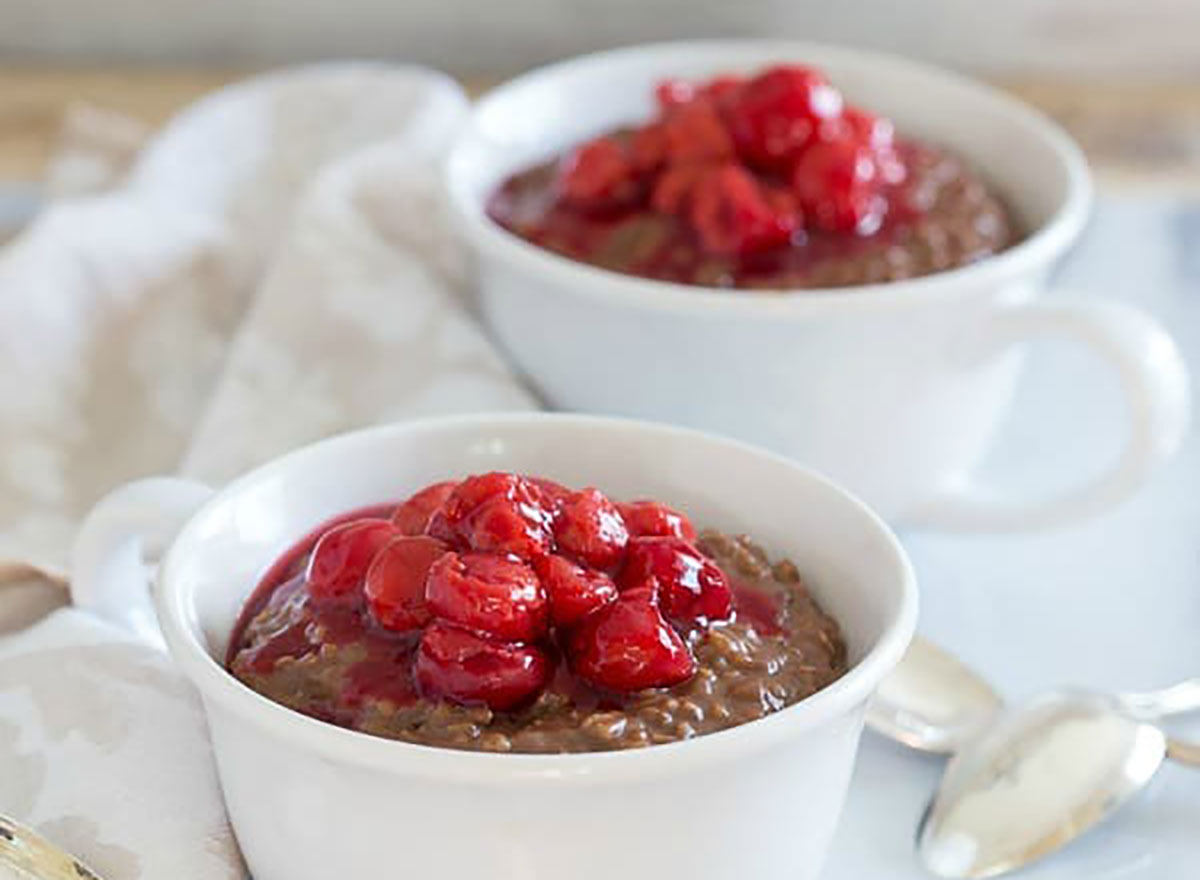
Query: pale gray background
x=1142, y=38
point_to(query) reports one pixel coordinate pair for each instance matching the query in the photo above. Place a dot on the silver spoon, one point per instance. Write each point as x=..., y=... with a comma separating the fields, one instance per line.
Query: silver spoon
x=932, y=702
x=1038, y=778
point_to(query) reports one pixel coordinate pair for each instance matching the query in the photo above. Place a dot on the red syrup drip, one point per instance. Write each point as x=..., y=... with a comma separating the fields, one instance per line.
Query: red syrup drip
x=291, y=641
x=290, y=566
x=757, y=607
x=386, y=674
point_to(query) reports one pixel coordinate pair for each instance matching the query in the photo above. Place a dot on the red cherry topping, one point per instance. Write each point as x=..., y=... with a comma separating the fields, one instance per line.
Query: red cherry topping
x=650, y=519
x=554, y=495
x=720, y=88
x=868, y=129
x=574, y=591
x=879, y=135
x=673, y=191
x=648, y=148
x=673, y=92
x=412, y=517
x=489, y=594
x=341, y=557
x=628, y=646
x=599, y=175
x=467, y=668
x=670, y=93
x=838, y=185
x=509, y=566
x=496, y=513
x=786, y=206
x=696, y=132
x=395, y=582
x=590, y=528
x=732, y=215
x=743, y=167
x=687, y=134
x=779, y=112
x=692, y=588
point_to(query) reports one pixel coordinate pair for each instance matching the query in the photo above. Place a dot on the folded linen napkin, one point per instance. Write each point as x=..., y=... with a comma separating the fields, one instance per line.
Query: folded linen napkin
x=273, y=268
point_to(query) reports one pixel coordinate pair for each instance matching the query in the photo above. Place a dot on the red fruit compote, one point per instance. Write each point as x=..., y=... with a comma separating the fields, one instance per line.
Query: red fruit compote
x=765, y=181
x=509, y=613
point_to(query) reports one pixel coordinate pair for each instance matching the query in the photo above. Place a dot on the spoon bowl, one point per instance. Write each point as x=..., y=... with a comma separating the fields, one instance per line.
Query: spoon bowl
x=1038, y=778
x=932, y=701
x=1025, y=782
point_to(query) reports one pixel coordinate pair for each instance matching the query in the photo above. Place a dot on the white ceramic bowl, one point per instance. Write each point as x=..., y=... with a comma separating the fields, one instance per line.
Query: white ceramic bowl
x=895, y=390
x=311, y=801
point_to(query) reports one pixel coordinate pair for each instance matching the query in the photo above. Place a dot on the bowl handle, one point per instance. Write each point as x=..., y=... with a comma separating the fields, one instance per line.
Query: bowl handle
x=119, y=545
x=1154, y=382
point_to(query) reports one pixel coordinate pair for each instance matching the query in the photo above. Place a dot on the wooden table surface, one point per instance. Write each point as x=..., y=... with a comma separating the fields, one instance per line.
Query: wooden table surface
x=1142, y=135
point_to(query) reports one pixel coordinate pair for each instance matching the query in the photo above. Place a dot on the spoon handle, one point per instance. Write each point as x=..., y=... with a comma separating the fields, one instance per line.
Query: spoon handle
x=23, y=853
x=1152, y=705
x=1184, y=753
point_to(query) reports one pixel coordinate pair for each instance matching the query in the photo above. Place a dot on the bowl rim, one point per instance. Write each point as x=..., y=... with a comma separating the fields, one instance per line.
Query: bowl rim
x=187, y=647
x=571, y=277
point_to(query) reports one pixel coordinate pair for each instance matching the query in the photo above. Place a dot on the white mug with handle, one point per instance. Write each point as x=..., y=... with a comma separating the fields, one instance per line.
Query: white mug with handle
x=896, y=389
x=311, y=801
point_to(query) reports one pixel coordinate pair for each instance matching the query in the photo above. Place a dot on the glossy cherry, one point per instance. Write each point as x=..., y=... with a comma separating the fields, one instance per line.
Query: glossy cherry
x=868, y=129
x=731, y=214
x=497, y=513
x=489, y=594
x=574, y=591
x=340, y=560
x=412, y=517
x=839, y=186
x=464, y=667
x=627, y=646
x=778, y=113
x=590, y=529
x=651, y=519
x=693, y=590
x=674, y=188
x=554, y=495
x=395, y=582
x=722, y=88
x=695, y=132
x=879, y=135
x=599, y=175
x=648, y=150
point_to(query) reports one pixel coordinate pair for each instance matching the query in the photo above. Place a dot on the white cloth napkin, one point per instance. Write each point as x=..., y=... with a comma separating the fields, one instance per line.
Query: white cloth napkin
x=274, y=268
